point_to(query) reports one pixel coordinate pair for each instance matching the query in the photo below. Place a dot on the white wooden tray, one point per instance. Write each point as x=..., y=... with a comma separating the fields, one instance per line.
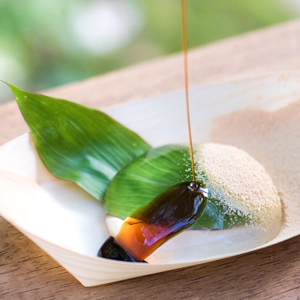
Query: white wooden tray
x=69, y=224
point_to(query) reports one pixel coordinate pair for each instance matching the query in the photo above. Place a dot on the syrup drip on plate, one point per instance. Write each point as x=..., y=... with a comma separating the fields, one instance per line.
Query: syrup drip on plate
x=150, y=226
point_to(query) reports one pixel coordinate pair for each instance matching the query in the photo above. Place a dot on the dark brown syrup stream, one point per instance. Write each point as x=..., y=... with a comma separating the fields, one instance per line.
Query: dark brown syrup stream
x=186, y=79
x=169, y=213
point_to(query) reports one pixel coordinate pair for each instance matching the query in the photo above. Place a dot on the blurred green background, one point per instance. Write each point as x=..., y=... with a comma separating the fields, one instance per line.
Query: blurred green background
x=46, y=43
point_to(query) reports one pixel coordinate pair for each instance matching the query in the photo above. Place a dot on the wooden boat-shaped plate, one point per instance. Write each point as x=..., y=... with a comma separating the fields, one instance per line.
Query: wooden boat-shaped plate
x=260, y=115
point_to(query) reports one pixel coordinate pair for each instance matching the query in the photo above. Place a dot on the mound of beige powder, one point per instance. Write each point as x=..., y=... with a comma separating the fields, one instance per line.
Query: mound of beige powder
x=273, y=139
x=239, y=182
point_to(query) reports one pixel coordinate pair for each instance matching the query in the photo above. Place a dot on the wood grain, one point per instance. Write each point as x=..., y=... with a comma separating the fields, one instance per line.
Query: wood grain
x=26, y=272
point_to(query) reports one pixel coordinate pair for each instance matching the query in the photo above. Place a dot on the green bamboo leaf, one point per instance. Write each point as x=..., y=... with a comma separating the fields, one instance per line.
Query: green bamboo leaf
x=140, y=182
x=78, y=143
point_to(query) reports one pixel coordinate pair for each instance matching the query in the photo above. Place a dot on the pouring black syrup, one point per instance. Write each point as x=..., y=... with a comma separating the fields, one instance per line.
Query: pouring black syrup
x=174, y=210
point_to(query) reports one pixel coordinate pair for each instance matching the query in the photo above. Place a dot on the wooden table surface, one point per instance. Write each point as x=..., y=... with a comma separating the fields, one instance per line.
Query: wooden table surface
x=26, y=272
